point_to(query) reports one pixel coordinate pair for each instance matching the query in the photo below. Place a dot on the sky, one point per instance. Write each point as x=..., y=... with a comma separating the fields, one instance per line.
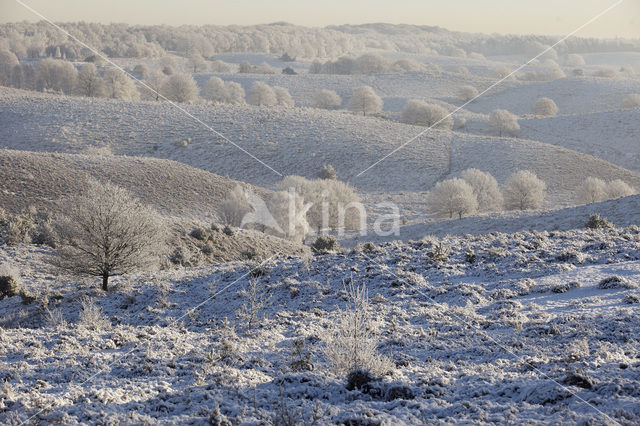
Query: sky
x=557, y=17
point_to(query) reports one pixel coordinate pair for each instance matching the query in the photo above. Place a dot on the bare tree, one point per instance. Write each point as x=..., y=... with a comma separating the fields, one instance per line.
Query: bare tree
x=453, y=196
x=524, y=191
x=486, y=189
x=107, y=232
x=545, y=107
x=593, y=190
x=503, y=122
x=180, y=88
x=89, y=82
x=327, y=99
x=364, y=100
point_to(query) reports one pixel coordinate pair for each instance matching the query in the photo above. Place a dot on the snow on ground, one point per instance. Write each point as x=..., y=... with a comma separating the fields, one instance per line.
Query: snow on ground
x=502, y=328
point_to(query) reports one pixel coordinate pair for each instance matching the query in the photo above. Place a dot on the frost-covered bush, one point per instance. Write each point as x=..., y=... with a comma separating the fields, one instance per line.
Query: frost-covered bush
x=574, y=60
x=615, y=282
x=220, y=66
x=254, y=300
x=632, y=101
x=118, y=85
x=141, y=71
x=151, y=90
x=351, y=341
x=8, y=61
x=217, y=90
x=196, y=63
x=180, y=88
x=365, y=100
x=283, y=96
x=9, y=281
x=327, y=99
x=56, y=75
x=485, y=188
x=597, y=222
x=107, y=232
x=523, y=191
x=545, y=107
x=503, y=72
x=324, y=244
x=429, y=115
x=404, y=65
x=551, y=73
x=91, y=316
x=467, y=93
x=503, y=122
x=618, y=188
x=89, y=82
x=328, y=172
x=262, y=94
x=606, y=72
x=235, y=206
x=592, y=190
x=371, y=63
x=452, y=196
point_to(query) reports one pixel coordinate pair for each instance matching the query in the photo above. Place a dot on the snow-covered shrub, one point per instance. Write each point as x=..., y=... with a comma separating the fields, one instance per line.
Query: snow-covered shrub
x=327, y=99
x=107, y=232
x=196, y=63
x=8, y=61
x=234, y=207
x=279, y=206
x=632, y=298
x=618, y=188
x=56, y=75
x=365, y=100
x=605, y=72
x=180, y=88
x=574, y=60
x=545, y=107
x=324, y=244
x=262, y=94
x=254, y=300
x=9, y=281
x=524, y=191
x=328, y=172
x=151, y=90
x=235, y=92
x=485, y=188
x=631, y=101
x=220, y=67
x=118, y=85
x=283, y=96
x=91, y=316
x=328, y=196
x=351, y=341
x=404, y=65
x=452, y=196
x=429, y=115
x=615, y=282
x=467, y=93
x=597, y=222
x=371, y=63
x=503, y=122
x=214, y=90
x=503, y=72
x=592, y=190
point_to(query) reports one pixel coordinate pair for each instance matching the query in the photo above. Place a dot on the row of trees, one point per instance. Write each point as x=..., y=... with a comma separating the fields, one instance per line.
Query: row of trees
x=478, y=191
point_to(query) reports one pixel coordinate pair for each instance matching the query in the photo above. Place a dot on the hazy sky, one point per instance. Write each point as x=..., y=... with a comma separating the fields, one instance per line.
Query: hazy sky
x=488, y=16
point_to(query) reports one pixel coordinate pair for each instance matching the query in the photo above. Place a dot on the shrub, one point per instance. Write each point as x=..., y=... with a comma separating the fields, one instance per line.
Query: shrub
x=615, y=282
x=429, y=115
x=452, y=196
x=365, y=100
x=606, y=72
x=327, y=99
x=597, y=222
x=91, y=316
x=227, y=230
x=324, y=244
x=592, y=190
x=283, y=96
x=524, y=191
x=467, y=93
x=262, y=94
x=234, y=207
x=631, y=101
x=198, y=233
x=485, y=188
x=180, y=88
x=545, y=107
x=503, y=122
x=328, y=172
x=9, y=281
x=618, y=188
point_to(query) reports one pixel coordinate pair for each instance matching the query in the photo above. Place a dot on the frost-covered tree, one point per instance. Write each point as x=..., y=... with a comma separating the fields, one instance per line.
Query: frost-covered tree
x=467, y=93
x=485, y=188
x=235, y=92
x=215, y=90
x=234, y=207
x=220, y=66
x=196, y=63
x=283, y=96
x=606, y=72
x=502, y=72
x=452, y=197
x=631, y=101
x=118, y=85
x=503, y=122
x=89, y=82
x=365, y=100
x=151, y=90
x=327, y=99
x=180, y=88
x=372, y=63
x=430, y=115
x=107, y=232
x=592, y=190
x=7, y=61
x=524, y=191
x=245, y=67
x=56, y=75
x=618, y=188
x=262, y=94
x=574, y=60
x=545, y=107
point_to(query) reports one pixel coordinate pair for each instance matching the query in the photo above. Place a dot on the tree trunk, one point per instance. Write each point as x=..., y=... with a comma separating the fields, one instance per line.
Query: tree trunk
x=105, y=282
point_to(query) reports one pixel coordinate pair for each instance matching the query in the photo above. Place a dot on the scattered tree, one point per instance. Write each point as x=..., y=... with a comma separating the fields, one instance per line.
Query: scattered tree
x=107, y=232
x=364, y=100
x=467, y=93
x=618, y=188
x=327, y=99
x=89, y=82
x=545, y=107
x=7, y=61
x=151, y=90
x=180, y=88
x=234, y=207
x=235, y=92
x=485, y=188
x=503, y=122
x=428, y=115
x=593, y=190
x=262, y=94
x=283, y=96
x=117, y=85
x=524, y=191
x=196, y=63
x=453, y=196
x=56, y=75
x=215, y=90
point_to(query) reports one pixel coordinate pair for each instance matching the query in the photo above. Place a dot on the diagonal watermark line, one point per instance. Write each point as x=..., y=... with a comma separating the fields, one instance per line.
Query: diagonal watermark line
x=590, y=21
x=172, y=323
x=500, y=345
x=106, y=59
